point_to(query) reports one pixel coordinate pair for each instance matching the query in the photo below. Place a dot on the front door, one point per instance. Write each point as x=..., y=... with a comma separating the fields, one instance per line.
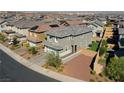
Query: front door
x=75, y=48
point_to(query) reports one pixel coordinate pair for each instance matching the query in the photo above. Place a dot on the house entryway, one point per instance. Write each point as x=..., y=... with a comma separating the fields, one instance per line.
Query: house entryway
x=98, y=34
x=74, y=48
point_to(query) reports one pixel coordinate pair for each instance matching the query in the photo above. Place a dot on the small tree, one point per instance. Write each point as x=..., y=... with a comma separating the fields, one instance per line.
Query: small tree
x=2, y=38
x=15, y=41
x=53, y=60
x=115, y=69
x=32, y=50
x=108, y=23
x=102, y=51
x=104, y=43
x=94, y=46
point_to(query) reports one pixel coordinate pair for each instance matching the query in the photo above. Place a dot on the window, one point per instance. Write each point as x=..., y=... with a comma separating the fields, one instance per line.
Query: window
x=56, y=40
x=50, y=37
x=30, y=34
x=35, y=35
x=55, y=25
x=70, y=38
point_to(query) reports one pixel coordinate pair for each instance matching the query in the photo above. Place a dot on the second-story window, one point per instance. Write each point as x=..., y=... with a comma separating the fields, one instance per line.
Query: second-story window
x=70, y=37
x=30, y=34
x=50, y=37
x=56, y=40
x=35, y=35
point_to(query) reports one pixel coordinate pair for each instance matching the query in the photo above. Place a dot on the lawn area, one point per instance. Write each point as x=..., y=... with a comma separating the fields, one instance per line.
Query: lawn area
x=94, y=46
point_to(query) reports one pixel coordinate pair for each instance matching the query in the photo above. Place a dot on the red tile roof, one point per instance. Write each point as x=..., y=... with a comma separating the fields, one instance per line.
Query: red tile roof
x=43, y=27
x=28, y=14
x=74, y=22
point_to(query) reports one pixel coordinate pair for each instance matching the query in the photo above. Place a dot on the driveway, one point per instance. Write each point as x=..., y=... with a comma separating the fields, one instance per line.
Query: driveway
x=38, y=59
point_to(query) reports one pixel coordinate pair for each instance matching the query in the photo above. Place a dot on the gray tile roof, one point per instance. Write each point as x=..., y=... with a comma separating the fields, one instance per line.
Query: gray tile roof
x=70, y=17
x=94, y=24
x=102, y=18
x=9, y=31
x=28, y=23
x=98, y=23
x=113, y=18
x=53, y=46
x=121, y=23
x=69, y=31
x=19, y=35
x=54, y=22
x=2, y=21
x=121, y=31
x=24, y=23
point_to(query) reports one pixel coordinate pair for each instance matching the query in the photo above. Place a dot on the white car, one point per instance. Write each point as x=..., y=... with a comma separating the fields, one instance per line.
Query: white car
x=10, y=42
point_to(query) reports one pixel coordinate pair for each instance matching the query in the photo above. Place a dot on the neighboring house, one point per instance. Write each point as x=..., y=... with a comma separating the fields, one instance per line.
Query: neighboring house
x=121, y=38
x=16, y=26
x=121, y=24
x=120, y=52
x=36, y=35
x=68, y=40
x=71, y=17
x=113, y=19
x=102, y=19
x=2, y=23
x=71, y=22
x=20, y=37
x=21, y=26
x=9, y=34
x=98, y=28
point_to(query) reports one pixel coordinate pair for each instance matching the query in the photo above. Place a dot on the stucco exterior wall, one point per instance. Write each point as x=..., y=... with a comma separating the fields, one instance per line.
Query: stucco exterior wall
x=66, y=43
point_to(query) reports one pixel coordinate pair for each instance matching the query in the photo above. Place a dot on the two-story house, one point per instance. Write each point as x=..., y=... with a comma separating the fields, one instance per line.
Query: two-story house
x=22, y=26
x=68, y=40
x=36, y=35
x=9, y=34
x=98, y=28
x=102, y=19
x=20, y=37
